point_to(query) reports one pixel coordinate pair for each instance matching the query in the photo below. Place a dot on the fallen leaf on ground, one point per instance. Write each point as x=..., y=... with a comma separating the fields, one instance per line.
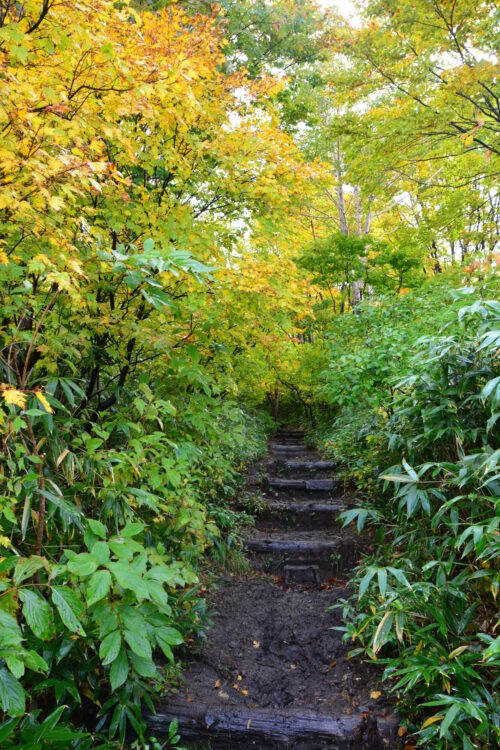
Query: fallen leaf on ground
x=256, y=644
x=375, y=694
x=402, y=730
x=217, y=684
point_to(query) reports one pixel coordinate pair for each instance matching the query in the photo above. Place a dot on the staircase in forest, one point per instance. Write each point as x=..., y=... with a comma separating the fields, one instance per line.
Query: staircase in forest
x=273, y=673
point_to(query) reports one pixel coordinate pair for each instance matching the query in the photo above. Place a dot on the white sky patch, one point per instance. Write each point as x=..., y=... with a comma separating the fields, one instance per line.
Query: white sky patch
x=346, y=7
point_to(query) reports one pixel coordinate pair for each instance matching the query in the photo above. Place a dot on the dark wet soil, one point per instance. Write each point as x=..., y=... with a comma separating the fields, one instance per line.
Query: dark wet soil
x=269, y=647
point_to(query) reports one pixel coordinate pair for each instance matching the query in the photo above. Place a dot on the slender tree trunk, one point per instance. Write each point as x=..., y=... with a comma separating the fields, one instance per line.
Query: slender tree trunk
x=339, y=189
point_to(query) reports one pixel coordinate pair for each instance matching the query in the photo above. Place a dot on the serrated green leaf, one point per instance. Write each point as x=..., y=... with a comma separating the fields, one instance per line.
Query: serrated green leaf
x=38, y=614
x=70, y=608
x=98, y=586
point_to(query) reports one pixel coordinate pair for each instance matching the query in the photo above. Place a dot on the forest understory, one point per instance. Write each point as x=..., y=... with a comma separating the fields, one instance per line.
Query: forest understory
x=249, y=374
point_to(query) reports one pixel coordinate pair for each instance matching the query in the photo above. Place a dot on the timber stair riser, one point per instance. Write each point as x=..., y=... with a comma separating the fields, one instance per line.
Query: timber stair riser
x=332, y=557
x=301, y=514
x=243, y=728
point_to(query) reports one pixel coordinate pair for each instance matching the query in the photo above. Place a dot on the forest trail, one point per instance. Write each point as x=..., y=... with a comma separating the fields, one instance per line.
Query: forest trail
x=272, y=672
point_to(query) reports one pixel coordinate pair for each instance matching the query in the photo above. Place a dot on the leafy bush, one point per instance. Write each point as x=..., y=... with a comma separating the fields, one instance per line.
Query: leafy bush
x=426, y=602
x=84, y=619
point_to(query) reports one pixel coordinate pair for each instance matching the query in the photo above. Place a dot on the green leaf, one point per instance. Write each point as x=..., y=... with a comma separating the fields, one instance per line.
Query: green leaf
x=26, y=567
x=130, y=580
x=98, y=586
x=143, y=667
x=132, y=529
x=110, y=647
x=10, y=632
x=35, y=662
x=38, y=614
x=100, y=550
x=139, y=643
x=15, y=665
x=449, y=718
x=7, y=729
x=169, y=635
x=83, y=564
x=12, y=695
x=70, y=608
x=97, y=528
x=382, y=580
x=119, y=670
x=400, y=576
x=365, y=581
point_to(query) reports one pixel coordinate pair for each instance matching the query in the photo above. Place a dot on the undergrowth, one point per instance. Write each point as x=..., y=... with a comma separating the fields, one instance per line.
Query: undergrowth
x=417, y=406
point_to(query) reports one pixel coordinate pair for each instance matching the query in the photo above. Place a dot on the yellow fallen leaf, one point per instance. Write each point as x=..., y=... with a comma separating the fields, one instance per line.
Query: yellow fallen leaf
x=256, y=644
x=402, y=731
x=375, y=694
x=217, y=684
x=240, y=678
x=245, y=692
x=236, y=686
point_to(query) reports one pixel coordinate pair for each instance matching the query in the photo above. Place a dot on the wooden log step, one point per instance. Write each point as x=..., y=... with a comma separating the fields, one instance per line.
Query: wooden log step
x=318, y=485
x=301, y=507
x=293, y=543
x=241, y=727
x=287, y=448
x=310, y=465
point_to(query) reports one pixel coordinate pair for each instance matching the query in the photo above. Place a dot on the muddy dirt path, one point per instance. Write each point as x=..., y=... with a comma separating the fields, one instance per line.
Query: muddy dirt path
x=273, y=673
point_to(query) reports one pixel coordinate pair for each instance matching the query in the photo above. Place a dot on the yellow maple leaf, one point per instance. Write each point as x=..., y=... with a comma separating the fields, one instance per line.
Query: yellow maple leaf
x=43, y=400
x=13, y=396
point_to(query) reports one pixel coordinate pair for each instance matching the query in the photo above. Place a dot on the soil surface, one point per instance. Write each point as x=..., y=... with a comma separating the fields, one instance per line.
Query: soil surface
x=272, y=671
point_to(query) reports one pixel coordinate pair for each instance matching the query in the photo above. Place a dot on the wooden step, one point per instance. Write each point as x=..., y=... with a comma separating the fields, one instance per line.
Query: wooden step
x=311, y=485
x=310, y=465
x=333, y=551
x=290, y=448
x=301, y=514
x=289, y=436
x=280, y=543
x=238, y=727
x=304, y=507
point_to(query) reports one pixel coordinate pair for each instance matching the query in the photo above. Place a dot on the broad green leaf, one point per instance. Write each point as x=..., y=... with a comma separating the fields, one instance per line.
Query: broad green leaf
x=119, y=670
x=83, y=564
x=98, y=586
x=97, y=528
x=26, y=567
x=38, y=614
x=12, y=695
x=169, y=635
x=139, y=643
x=110, y=647
x=70, y=608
